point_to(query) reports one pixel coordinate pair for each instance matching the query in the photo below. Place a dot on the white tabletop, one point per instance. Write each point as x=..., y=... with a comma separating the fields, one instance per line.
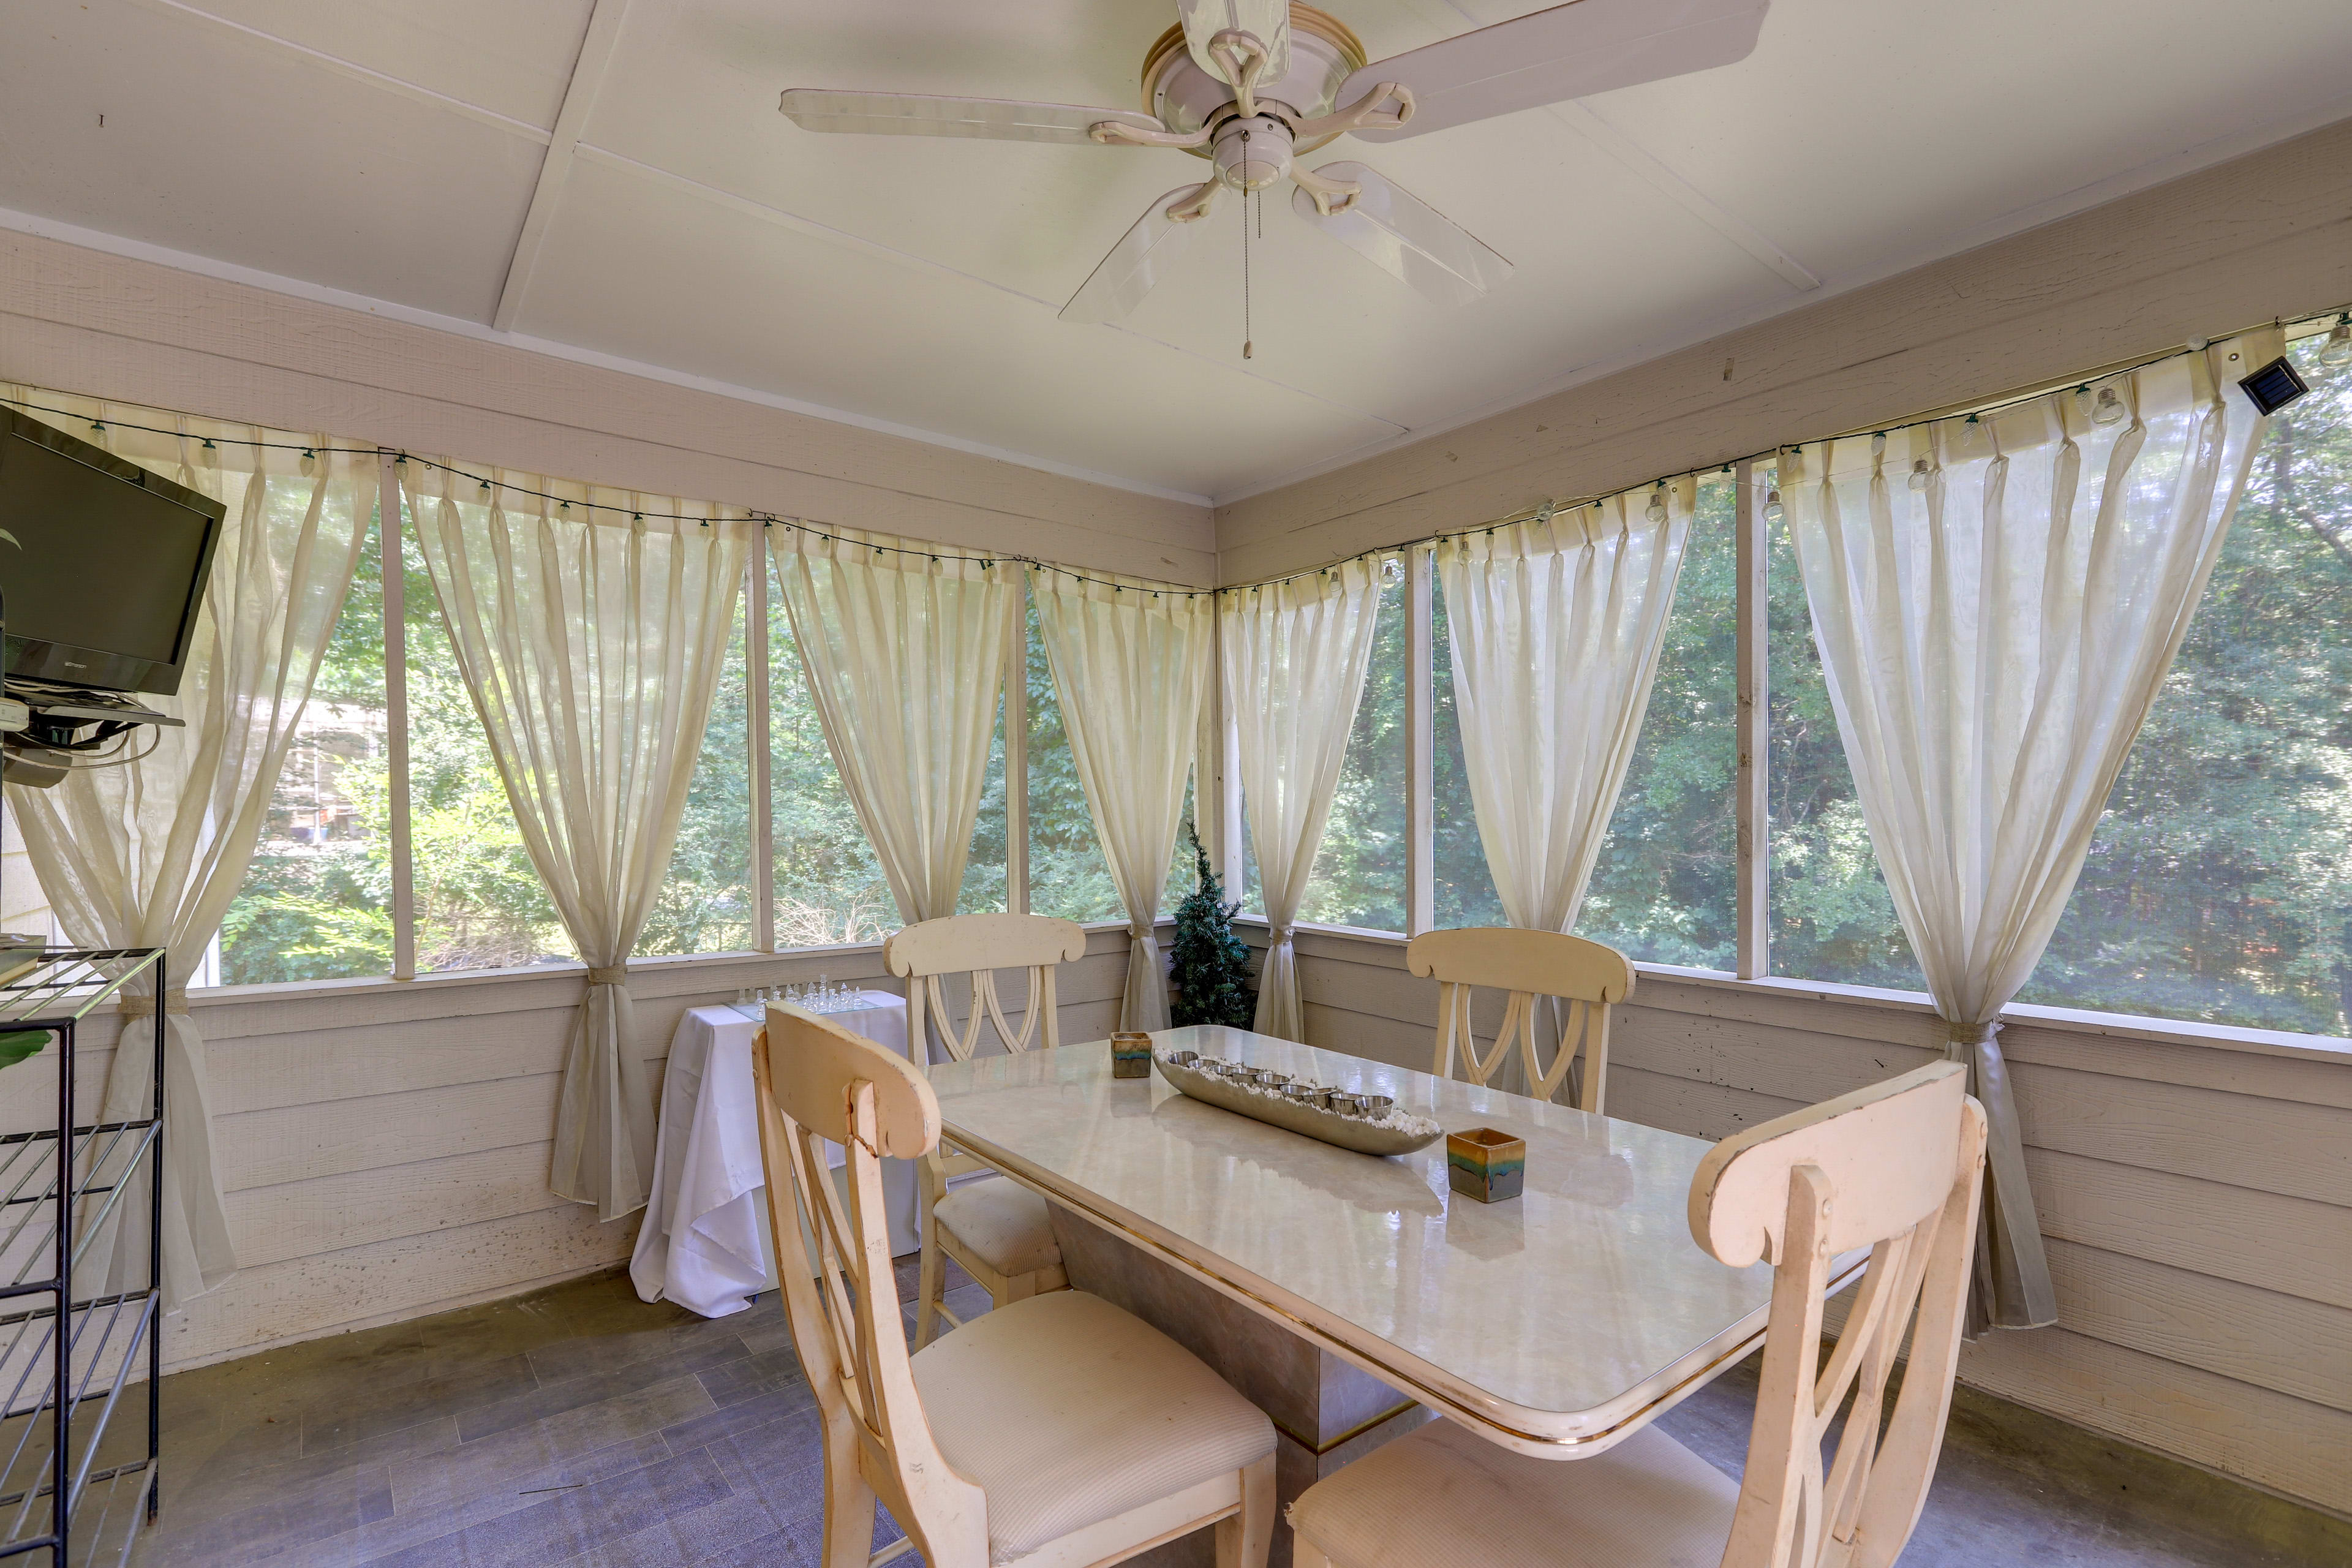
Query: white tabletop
x=704, y=1243
x=1554, y=1324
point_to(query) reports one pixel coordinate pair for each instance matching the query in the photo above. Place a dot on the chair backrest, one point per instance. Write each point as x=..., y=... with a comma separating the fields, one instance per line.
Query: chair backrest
x=977, y=946
x=1591, y=978
x=1898, y=1168
x=815, y=1081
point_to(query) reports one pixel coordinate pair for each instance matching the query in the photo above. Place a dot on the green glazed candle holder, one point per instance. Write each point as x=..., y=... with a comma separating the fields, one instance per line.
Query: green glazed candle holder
x=1484, y=1165
x=1130, y=1054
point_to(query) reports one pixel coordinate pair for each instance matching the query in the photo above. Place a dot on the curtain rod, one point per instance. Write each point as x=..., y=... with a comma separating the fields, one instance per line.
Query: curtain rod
x=2294, y=327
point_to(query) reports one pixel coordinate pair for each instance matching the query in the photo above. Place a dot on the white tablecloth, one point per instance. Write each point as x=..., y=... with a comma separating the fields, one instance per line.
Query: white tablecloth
x=704, y=1242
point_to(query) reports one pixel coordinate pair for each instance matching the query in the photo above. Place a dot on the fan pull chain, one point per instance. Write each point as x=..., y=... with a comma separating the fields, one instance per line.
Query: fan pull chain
x=1246, y=344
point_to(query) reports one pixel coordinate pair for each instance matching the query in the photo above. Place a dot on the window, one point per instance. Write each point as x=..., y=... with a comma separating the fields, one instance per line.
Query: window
x=2219, y=885
x=480, y=902
x=316, y=903
x=1832, y=916
x=829, y=885
x=1067, y=874
x=706, y=903
x=1359, y=871
x=983, y=889
x=1665, y=885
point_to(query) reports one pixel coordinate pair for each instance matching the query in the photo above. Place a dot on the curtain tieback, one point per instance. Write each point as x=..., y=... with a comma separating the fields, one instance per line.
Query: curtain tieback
x=1281, y=934
x=618, y=974
x=1961, y=1037
x=1141, y=931
x=176, y=1006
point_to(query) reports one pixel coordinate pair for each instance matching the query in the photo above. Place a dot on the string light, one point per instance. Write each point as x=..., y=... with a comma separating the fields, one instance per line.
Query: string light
x=309, y=464
x=2105, y=409
x=1656, y=511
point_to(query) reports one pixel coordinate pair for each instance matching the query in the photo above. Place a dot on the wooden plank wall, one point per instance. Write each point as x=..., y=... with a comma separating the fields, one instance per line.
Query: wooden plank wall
x=2196, y=1190
x=385, y=1147
x=2210, y=253
x=89, y=322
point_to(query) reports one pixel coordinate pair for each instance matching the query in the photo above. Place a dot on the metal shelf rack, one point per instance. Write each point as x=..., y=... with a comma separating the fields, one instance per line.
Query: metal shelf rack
x=67, y=1359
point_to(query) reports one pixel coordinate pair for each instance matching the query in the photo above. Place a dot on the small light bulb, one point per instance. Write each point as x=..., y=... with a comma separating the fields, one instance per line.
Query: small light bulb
x=1919, y=475
x=1656, y=511
x=209, y=456
x=309, y=463
x=1773, y=510
x=2337, y=351
x=2108, y=409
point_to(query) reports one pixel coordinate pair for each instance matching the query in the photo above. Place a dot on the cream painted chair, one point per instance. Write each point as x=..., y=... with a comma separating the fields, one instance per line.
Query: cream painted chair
x=1896, y=1168
x=1056, y=1433
x=1588, y=977
x=998, y=1230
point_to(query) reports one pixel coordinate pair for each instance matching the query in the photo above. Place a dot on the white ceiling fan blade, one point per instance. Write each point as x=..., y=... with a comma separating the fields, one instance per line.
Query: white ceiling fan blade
x=913, y=114
x=1399, y=233
x=1569, y=51
x=1139, y=260
x=1268, y=21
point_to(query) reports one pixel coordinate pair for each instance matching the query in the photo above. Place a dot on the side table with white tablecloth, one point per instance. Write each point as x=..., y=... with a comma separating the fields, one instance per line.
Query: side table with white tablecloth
x=704, y=1243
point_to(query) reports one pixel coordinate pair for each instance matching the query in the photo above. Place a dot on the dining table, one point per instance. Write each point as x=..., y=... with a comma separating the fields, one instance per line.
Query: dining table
x=1556, y=1324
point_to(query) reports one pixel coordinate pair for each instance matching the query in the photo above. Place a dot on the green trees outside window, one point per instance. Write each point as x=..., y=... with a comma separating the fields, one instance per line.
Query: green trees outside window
x=2219, y=886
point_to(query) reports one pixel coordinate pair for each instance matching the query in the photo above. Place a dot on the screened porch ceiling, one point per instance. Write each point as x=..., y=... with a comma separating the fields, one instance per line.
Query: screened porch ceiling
x=393, y=151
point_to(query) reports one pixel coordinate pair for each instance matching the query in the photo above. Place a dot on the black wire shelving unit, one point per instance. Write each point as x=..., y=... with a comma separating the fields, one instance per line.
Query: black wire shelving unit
x=67, y=1359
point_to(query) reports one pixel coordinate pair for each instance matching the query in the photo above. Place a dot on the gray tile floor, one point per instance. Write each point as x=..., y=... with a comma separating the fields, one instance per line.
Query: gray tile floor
x=580, y=1426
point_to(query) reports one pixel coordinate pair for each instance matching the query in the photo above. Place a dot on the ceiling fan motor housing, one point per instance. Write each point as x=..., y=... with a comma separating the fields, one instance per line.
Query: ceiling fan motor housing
x=1323, y=52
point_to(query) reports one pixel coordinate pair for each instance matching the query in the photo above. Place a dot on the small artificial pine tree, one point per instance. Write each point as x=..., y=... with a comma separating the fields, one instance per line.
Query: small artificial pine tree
x=1208, y=970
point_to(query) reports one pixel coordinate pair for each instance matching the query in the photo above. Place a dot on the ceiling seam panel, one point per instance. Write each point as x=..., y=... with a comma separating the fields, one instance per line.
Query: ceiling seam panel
x=1646, y=166
x=415, y=315
x=1654, y=172
x=352, y=69
x=588, y=69
x=590, y=153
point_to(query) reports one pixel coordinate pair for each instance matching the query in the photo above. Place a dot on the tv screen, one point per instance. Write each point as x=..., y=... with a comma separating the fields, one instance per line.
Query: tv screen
x=103, y=563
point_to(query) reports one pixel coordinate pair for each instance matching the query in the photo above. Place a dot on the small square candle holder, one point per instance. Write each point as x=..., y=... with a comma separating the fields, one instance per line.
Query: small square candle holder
x=1130, y=1054
x=1484, y=1165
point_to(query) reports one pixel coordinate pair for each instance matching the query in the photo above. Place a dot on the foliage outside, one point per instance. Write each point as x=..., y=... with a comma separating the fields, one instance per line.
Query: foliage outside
x=2219, y=886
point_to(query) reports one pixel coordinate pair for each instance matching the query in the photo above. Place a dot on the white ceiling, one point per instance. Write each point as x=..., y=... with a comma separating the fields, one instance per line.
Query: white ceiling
x=391, y=148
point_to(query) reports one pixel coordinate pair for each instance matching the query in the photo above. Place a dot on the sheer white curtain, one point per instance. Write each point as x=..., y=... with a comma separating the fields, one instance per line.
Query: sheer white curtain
x=1131, y=662
x=1294, y=659
x=1556, y=626
x=1996, y=601
x=152, y=853
x=592, y=641
x=905, y=652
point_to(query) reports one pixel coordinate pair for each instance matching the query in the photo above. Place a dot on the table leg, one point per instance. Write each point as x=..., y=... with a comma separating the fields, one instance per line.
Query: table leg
x=1326, y=1413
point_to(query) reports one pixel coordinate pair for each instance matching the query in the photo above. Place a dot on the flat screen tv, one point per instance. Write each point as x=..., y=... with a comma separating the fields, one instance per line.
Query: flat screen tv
x=102, y=563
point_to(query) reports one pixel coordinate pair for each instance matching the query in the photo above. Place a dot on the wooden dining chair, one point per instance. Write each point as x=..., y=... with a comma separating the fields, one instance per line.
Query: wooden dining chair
x=1000, y=1231
x=1896, y=1168
x=1528, y=964
x=1057, y=1433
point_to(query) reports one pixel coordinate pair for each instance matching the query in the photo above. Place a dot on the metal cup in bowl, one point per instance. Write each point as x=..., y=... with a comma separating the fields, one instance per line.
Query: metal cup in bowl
x=1347, y=1104
x=1376, y=1104
x=1184, y=1058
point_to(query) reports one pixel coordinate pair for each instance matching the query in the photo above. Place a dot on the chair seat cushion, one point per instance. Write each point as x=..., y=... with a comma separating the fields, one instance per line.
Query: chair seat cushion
x=1002, y=1223
x=1445, y=1495
x=1067, y=1411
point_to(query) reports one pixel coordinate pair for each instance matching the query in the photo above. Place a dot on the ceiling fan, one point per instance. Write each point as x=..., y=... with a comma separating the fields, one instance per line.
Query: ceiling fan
x=1254, y=85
